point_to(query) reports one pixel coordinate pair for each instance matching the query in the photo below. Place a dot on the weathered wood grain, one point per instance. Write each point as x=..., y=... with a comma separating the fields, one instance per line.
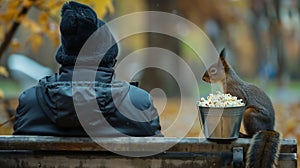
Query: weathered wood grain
x=48, y=151
x=128, y=144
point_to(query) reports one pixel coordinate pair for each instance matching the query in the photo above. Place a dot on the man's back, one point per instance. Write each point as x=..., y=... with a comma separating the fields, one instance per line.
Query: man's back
x=48, y=108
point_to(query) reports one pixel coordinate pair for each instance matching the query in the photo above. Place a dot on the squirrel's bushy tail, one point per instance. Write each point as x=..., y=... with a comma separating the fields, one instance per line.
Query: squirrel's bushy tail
x=264, y=149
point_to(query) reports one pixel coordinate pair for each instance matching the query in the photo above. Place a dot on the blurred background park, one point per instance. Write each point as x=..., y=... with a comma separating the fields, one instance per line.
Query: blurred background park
x=262, y=38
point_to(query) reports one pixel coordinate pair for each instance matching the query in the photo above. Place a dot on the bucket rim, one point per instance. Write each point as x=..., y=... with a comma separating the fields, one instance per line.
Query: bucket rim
x=221, y=107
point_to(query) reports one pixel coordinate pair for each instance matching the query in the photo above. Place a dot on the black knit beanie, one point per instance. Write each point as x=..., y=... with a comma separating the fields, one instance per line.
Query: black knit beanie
x=78, y=23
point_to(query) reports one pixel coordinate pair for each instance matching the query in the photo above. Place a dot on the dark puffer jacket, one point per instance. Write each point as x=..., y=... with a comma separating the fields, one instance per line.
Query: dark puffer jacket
x=122, y=109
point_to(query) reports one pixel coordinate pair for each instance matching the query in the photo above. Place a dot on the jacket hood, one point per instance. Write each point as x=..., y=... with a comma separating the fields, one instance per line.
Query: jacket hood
x=57, y=94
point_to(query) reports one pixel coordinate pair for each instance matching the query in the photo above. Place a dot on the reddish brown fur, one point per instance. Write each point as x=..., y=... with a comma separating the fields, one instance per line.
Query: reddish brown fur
x=259, y=113
x=258, y=117
x=264, y=149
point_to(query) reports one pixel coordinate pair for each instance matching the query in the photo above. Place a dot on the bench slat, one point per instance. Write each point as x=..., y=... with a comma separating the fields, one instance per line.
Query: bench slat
x=49, y=151
x=139, y=144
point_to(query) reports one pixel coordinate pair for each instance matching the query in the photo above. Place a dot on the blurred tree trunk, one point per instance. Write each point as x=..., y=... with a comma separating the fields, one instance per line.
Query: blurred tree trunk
x=154, y=77
x=269, y=11
x=11, y=32
x=257, y=8
x=277, y=42
x=298, y=7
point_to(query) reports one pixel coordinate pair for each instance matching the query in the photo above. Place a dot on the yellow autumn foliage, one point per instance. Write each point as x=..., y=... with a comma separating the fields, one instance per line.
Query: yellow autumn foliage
x=46, y=24
x=3, y=71
x=1, y=95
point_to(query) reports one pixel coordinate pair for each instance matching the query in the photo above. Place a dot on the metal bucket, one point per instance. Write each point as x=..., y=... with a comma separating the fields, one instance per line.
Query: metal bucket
x=221, y=123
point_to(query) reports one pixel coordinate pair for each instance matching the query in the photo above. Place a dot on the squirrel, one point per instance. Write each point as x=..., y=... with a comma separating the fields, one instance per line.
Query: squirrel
x=259, y=117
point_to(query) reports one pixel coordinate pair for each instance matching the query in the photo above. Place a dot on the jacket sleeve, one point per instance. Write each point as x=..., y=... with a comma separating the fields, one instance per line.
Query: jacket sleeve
x=20, y=111
x=143, y=101
x=30, y=120
x=155, y=122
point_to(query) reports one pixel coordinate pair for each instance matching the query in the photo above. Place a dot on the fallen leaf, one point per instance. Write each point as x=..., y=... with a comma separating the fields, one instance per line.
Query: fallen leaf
x=36, y=42
x=1, y=94
x=43, y=18
x=3, y=71
x=28, y=3
x=15, y=45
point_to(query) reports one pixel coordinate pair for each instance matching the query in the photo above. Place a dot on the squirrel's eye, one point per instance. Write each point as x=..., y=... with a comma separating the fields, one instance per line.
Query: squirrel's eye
x=213, y=71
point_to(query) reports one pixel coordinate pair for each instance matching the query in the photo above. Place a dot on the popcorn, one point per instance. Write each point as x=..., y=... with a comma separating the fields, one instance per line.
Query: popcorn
x=221, y=100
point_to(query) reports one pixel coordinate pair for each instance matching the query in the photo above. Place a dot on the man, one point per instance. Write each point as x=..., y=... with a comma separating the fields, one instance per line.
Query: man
x=64, y=104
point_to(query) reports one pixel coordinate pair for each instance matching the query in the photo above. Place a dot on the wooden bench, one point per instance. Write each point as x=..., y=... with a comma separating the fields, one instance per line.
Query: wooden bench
x=47, y=151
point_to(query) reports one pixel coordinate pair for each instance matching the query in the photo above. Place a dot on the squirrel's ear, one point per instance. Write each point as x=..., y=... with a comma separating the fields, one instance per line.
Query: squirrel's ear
x=223, y=54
